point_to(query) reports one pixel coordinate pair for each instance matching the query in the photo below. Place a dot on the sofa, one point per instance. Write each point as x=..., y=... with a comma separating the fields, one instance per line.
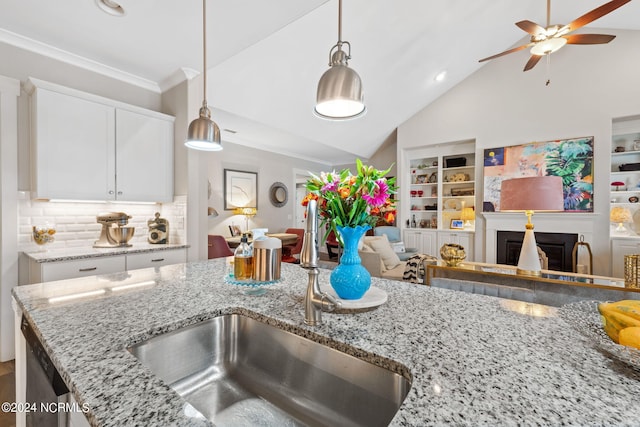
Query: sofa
x=393, y=234
x=379, y=258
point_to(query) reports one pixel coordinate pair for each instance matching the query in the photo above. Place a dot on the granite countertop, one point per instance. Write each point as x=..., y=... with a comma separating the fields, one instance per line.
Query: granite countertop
x=83, y=252
x=473, y=359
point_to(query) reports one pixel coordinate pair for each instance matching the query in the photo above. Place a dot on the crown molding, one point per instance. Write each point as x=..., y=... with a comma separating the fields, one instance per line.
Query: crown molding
x=44, y=49
x=178, y=77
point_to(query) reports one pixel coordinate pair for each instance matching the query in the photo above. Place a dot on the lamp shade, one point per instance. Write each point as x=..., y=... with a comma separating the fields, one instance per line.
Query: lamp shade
x=620, y=214
x=245, y=211
x=468, y=214
x=533, y=193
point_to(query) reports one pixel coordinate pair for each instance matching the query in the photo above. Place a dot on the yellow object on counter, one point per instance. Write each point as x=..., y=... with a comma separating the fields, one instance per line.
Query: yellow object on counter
x=620, y=316
x=630, y=337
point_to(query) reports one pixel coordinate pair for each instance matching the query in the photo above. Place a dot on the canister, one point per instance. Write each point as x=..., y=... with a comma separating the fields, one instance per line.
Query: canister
x=267, y=256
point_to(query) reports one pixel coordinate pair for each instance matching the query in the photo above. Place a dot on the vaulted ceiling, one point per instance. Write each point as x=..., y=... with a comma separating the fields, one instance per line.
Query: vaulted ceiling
x=265, y=57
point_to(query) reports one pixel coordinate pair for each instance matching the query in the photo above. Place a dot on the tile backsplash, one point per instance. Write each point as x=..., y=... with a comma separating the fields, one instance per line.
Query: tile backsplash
x=75, y=222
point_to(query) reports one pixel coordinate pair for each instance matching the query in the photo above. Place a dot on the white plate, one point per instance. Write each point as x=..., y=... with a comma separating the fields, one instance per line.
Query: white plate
x=372, y=298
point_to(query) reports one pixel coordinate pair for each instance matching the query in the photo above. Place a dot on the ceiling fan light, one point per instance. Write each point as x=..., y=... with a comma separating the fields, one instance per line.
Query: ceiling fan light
x=340, y=95
x=203, y=133
x=548, y=46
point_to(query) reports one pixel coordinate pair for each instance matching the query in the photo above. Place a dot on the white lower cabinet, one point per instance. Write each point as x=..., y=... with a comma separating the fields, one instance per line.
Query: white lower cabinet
x=464, y=239
x=425, y=241
x=619, y=248
x=60, y=270
x=48, y=271
x=156, y=259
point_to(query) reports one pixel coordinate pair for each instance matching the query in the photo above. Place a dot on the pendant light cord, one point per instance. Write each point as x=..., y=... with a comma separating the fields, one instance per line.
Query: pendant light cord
x=339, y=22
x=204, y=50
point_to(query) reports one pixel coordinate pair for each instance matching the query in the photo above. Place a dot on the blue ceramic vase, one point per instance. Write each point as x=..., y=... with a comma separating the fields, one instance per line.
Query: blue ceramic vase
x=350, y=279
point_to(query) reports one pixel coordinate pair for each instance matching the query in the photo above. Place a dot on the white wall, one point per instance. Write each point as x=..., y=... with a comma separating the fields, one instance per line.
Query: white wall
x=500, y=105
x=270, y=168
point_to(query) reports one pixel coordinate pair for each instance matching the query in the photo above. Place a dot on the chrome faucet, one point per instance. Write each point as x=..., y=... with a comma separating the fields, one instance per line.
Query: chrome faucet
x=315, y=300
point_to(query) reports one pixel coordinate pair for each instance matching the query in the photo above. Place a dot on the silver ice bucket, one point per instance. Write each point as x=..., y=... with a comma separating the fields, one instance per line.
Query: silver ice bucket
x=267, y=256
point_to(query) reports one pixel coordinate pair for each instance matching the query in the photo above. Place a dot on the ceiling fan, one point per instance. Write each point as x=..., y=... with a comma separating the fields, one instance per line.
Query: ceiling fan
x=545, y=41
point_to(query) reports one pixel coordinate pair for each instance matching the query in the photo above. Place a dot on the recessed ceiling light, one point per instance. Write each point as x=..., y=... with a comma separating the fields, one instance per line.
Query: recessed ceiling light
x=440, y=76
x=111, y=7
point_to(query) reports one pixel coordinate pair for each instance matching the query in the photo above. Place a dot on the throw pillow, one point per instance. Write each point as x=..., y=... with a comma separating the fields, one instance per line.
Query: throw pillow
x=398, y=247
x=383, y=248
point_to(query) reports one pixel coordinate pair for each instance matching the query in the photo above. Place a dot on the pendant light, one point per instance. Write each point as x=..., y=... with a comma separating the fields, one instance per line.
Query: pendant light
x=340, y=95
x=204, y=133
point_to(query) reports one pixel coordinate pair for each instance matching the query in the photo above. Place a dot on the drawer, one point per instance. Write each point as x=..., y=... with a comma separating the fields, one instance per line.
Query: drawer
x=79, y=268
x=156, y=259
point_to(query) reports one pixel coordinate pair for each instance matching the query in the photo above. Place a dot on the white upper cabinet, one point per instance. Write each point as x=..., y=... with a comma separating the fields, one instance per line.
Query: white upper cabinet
x=144, y=157
x=85, y=147
x=73, y=154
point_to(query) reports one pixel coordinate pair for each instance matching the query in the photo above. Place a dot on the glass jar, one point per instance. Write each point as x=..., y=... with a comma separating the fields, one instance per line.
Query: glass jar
x=243, y=260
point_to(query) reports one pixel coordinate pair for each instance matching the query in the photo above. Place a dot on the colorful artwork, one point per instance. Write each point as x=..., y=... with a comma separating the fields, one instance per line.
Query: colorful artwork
x=571, y=159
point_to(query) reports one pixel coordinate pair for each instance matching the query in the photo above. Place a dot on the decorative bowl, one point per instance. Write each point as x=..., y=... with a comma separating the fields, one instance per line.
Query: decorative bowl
x=43, y=234
x=452, y=254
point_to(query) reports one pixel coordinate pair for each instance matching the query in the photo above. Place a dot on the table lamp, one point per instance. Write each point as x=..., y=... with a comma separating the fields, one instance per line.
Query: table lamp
x=248, y=213
x=468, y=215
x=620, y=215
x=529, y=194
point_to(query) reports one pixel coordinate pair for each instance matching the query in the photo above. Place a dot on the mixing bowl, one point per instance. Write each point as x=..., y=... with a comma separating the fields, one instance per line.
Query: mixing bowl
x=121, y=235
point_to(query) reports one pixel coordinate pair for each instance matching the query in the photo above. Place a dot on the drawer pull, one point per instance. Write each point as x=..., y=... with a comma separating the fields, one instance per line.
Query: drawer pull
x=88, y=269
x=157, y=260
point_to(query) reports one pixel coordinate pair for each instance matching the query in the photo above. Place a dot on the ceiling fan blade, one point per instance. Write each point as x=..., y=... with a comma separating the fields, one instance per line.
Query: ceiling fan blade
x=530, y=27
x=532, y=62
x=515, y=49
x=589, y=38
x=596, y=13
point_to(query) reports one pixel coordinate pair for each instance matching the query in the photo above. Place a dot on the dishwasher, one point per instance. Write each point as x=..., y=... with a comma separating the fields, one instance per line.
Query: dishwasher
x=45, y=388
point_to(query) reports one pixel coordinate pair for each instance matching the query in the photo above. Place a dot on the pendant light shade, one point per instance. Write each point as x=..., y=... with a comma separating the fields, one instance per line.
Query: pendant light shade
x=340, y=95
x=204, y=133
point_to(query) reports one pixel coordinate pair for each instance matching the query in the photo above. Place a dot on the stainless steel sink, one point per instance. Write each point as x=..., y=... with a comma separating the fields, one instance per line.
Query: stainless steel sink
x=235, y=370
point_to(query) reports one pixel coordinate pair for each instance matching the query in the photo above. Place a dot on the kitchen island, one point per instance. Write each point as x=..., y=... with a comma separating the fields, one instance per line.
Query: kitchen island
x=472, y=359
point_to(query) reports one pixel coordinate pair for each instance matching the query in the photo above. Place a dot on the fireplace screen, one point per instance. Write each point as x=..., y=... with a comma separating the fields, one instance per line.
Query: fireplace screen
x=557, y=246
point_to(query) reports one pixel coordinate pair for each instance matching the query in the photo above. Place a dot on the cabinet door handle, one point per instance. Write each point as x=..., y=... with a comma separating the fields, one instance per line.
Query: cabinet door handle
x=111, y=191
x=88, y=269
x=119, y=193
x=157, y=260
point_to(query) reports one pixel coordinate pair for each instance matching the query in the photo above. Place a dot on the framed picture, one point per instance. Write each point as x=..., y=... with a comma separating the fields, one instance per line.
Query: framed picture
x=457, y=224
x=571, y=159
x=240, y=189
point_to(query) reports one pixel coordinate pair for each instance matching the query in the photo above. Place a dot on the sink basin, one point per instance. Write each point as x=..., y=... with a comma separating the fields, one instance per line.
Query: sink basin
x=235, y=370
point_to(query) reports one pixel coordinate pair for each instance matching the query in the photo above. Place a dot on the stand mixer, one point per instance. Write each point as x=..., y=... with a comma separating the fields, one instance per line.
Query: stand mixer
x=114, y=234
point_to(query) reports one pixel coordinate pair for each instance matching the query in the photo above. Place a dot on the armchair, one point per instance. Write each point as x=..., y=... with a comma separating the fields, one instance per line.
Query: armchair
x=218, y=247
x=393, y=234
x=332, y=243
x=288, y=251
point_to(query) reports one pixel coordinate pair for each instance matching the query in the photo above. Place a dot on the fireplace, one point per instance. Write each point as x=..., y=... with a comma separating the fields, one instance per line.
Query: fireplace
x=557, y=246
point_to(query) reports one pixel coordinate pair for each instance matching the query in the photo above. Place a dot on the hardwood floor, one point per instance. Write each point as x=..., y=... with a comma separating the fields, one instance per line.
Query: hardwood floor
x=7, y=392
